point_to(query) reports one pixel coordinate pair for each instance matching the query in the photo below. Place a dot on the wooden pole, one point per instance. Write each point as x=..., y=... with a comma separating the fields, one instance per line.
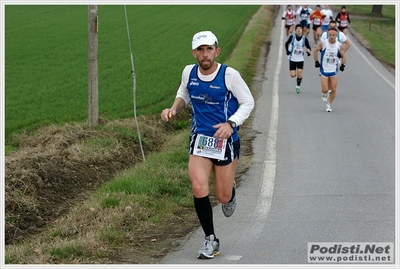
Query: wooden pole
x=93, y=85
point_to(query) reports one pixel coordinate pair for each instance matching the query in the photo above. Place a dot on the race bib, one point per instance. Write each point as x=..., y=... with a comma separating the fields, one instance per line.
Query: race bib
x=298, y=50
x=331, y=59
x=209, y=147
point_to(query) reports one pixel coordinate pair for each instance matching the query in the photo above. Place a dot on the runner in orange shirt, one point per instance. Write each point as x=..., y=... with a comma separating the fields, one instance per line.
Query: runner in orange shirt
x=317, y=18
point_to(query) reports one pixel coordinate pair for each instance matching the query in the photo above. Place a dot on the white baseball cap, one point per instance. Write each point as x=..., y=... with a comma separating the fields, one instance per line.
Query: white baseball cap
x=203, y=38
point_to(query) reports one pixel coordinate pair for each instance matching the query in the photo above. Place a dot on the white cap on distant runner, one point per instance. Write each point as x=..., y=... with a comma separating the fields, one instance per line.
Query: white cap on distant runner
x=203, y=38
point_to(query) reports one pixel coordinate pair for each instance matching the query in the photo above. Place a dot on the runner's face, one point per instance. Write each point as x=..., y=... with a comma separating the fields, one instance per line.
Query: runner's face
x=332, y=36
x=206, y=55
x=299, y=31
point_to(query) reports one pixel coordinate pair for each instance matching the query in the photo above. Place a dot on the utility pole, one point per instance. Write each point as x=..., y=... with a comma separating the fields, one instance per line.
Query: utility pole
x=93, y=74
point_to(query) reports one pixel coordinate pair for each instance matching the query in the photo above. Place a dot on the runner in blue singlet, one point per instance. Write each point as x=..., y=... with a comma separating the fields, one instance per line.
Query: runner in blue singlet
x=220, y=102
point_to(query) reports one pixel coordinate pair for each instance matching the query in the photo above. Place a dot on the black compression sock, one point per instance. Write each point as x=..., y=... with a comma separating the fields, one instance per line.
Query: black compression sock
x=299, y=81
x=205, y=214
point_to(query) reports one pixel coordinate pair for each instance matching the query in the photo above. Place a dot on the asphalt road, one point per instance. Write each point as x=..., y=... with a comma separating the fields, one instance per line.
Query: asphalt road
x=315, y=176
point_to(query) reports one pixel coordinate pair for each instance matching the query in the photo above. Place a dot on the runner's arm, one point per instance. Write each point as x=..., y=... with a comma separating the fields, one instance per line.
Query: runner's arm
x=307, y=45
x=318, y=48
x=241, y=91
x=347, y=42
x=343, y=55
x=182, y=96
x=337, y=18
x=287, y=44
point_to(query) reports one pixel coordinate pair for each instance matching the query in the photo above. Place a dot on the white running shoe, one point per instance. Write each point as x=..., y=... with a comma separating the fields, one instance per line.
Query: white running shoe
x=325, y=96
x=297, y=89
x=328, y=108
x=230, y=207
x=210, y=248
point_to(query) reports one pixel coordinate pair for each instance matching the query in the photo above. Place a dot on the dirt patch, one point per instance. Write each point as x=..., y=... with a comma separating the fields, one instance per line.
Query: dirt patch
x=60, y=167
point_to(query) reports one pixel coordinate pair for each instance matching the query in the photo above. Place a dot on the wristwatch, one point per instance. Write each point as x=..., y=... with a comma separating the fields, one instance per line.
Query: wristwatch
x=232, y=124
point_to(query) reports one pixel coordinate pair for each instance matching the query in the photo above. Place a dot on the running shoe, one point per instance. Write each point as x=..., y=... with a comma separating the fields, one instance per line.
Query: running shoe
x=325, y=96
x=229, y=207
x=210, y=248
x=328, y=108
x=298, y=89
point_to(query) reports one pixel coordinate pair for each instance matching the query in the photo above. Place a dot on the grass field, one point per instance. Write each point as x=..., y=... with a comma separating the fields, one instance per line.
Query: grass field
x=378, y=33
x=46, y=52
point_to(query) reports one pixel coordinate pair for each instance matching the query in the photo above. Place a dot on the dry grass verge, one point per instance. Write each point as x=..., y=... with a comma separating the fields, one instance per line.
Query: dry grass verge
x=61, y=166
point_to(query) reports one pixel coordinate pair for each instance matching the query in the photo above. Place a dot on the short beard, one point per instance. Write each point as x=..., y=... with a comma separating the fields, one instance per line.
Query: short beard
x=206, y=66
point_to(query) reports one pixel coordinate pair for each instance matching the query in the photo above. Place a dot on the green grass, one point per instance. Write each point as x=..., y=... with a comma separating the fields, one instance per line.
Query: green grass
x=380, y=34
x=161, y=177
x=381, y=42
x=112, y=236
x=66, y=252
x=46, y=52
x=388, y=11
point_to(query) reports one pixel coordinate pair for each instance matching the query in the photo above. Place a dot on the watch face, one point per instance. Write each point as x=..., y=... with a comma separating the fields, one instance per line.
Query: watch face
x=233, y=124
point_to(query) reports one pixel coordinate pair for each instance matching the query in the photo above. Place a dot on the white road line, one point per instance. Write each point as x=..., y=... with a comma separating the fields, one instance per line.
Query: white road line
x=269, y=168
x=234, y=258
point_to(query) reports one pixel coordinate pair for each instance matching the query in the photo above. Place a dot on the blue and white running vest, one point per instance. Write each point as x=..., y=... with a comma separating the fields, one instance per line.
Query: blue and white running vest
x=211, y=102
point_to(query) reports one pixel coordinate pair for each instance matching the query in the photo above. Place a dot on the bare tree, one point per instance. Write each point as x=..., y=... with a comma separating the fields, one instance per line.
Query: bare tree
x=377, y=10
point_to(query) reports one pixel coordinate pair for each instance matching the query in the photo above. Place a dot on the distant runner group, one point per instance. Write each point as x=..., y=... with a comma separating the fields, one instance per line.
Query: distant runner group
x=330, y=45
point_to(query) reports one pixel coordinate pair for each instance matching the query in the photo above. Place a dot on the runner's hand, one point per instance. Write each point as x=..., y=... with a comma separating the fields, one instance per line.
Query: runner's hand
x=317, y=64
x=224, y=130
x=167, y=114
x=342, y=66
